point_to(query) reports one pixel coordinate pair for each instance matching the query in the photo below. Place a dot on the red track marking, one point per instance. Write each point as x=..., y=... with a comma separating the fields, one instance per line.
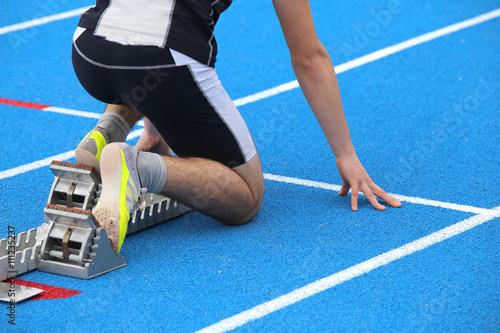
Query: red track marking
x=23, y=104
x=50, y=291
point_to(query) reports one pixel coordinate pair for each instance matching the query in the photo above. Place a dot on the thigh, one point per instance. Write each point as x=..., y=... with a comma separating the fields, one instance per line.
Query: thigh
x=96, y=80
x=115, y=73
x=196, y=116
x=183, y=98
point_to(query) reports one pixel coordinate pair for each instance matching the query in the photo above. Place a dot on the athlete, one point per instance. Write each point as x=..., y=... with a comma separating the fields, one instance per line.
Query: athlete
x=156, y=59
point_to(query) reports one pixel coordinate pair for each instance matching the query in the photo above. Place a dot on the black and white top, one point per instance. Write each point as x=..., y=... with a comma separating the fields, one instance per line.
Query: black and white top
x=186, y=26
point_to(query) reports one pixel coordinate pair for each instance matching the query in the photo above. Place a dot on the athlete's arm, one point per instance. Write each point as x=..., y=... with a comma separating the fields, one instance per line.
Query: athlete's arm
x=316, y=75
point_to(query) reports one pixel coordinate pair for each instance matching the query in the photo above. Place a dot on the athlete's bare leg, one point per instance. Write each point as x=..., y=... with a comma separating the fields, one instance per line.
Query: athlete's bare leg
x=231, y=195
x=129, y=112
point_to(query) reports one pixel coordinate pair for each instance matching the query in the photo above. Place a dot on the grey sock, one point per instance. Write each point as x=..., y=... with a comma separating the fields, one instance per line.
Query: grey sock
x=152, y=171
x=115, y=125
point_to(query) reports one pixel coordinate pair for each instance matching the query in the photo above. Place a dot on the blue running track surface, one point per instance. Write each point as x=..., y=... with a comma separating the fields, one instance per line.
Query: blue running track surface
x=425, y=121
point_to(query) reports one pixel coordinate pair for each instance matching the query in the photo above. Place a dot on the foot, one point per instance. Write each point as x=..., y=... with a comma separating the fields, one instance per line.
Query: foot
x=121, y=191
x=152, y=141
x=89, y=150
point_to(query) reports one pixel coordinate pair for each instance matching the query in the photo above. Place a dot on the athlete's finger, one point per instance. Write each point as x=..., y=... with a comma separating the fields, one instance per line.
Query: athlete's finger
x=354, y=197
x=391, y=201
x=371, y=197
x=345, y=188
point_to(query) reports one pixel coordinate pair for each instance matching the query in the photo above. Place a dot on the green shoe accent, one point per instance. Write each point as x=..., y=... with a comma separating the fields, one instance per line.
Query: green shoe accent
x=90, y=148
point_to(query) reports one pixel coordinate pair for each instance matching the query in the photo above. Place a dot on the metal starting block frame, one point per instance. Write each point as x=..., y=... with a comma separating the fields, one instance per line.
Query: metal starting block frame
x=69, y=241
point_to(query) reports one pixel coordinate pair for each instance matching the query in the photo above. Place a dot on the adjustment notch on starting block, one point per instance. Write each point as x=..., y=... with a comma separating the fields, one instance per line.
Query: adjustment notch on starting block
x=75, y=245
x=74, y=185
x=69, y=241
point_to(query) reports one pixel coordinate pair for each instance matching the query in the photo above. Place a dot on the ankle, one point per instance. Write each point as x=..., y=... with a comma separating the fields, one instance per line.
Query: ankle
x=115, y=125
x=152, y=171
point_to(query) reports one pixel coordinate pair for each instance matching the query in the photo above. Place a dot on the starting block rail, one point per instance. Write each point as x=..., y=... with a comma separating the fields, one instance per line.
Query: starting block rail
x=69, y=241
x=23, y=259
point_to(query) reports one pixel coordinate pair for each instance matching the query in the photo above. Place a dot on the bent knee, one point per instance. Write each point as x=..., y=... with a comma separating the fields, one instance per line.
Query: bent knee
x=252, y=174
x=248, y=214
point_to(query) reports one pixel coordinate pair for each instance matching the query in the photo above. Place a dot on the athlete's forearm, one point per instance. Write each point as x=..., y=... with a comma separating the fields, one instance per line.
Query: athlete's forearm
x=318, y=81
x=315, y=72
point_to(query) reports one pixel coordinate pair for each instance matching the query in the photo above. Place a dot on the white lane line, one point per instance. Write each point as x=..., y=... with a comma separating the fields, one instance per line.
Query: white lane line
x=283, y=179
x=42, y=20
x=71, y=112
x=366, y=59
x=304, y=182
x=415, y=200
x=447, y=205
x=135, y=134
x=339, y=69
x=78, y=113
x=267, y=93
x=36, y=165
x=55, y=109
x=46, y=161
x=350, y=273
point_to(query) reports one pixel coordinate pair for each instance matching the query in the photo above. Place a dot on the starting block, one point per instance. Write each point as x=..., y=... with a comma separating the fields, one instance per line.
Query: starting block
x=69, y=241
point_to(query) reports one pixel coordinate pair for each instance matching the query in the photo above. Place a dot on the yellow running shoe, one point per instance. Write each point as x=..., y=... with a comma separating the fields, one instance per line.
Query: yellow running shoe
x=89, y=150
x=121, y=191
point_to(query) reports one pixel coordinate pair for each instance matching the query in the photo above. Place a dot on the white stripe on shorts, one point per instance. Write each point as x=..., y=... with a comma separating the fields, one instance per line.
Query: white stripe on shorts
x=211, y=87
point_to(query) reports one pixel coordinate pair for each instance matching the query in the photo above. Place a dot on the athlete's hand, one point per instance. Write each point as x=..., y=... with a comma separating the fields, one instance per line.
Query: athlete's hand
x=355, y=176
x=152, y=141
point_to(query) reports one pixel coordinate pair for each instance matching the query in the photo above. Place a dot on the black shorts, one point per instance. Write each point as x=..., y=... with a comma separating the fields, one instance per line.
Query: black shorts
x=183, y=98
